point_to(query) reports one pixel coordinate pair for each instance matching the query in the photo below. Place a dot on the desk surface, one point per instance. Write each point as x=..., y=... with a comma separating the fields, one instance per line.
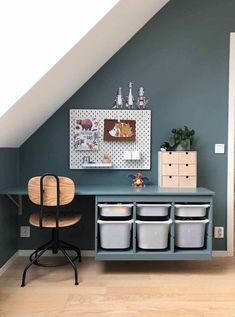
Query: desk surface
x=124, y=190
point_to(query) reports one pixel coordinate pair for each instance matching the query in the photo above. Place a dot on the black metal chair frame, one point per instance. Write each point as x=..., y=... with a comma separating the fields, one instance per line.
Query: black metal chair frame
x=55, y=244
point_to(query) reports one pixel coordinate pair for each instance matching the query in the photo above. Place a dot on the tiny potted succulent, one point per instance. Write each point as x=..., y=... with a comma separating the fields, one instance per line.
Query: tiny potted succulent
x=182, y=138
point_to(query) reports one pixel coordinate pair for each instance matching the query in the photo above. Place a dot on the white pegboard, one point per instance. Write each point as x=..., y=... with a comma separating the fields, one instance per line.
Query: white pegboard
x=114, y=149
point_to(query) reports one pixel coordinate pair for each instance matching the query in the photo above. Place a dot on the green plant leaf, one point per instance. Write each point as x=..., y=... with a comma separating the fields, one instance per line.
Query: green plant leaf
x=177, y=140
x=182, y=136
x=172, y=141
x=184, y=144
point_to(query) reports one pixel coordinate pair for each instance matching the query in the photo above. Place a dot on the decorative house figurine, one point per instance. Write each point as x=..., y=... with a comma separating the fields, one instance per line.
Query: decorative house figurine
x=138, y=179
x=141, y=100
x=106, y=159
x=119, y=100
x=130, y=98
x=86, y=159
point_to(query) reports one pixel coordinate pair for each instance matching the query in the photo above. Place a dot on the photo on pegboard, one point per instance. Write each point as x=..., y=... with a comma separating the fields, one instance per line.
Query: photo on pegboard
x=86, y=135
x=119, y=130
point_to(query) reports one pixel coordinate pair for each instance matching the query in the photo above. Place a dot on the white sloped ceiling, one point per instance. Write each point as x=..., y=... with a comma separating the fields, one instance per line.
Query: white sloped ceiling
x=48, y=94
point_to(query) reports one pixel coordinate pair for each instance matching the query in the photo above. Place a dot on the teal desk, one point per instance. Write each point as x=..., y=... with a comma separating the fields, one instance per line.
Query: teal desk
x=148, y=194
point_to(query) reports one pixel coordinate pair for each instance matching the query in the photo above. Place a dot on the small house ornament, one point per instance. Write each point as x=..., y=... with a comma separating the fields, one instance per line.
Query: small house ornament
x=141, y=100
x=119, y=100
x=130, y=98
x=106, y=159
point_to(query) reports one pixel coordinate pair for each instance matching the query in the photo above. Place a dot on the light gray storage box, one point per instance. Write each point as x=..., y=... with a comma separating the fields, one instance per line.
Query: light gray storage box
x=115, y=234
x=190, y=233
x=115, y=210
x=153, y=234
x=191, y=210
x=152, y=210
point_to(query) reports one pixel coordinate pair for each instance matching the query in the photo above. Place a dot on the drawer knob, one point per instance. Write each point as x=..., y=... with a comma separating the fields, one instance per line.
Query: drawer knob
x=186, y=176
x=170, y=153
x=170, y=176
x=169, y=164
x=186, y=153
x=186, y=164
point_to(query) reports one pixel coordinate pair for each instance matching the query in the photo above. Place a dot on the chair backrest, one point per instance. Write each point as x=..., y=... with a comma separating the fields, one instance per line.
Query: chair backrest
x=66, y=194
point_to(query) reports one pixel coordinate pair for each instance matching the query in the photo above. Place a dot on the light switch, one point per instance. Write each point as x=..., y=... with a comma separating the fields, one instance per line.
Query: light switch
x=219, y=148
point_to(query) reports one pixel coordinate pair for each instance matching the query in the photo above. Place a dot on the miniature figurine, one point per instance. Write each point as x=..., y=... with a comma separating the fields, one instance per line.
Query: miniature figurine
x=86, y=159
x=141, y=100
x=165, y=146
x=106, y=159
x=119, y=100
x=138, y=179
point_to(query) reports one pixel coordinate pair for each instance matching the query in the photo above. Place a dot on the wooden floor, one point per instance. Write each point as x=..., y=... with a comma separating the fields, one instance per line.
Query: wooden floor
x=122, y=289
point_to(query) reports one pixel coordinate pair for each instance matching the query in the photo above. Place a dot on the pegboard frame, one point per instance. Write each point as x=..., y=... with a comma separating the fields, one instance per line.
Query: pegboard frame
x=114, y=148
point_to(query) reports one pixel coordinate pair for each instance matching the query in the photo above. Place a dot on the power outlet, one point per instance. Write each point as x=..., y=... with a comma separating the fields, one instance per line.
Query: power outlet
x=219, y=232
x=25, y=231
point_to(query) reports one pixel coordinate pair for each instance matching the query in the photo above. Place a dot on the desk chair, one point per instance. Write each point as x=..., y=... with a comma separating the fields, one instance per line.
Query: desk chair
x=47, y=191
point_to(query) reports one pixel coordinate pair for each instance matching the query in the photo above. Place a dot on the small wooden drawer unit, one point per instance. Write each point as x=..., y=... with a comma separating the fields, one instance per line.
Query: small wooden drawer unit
x=177, y=169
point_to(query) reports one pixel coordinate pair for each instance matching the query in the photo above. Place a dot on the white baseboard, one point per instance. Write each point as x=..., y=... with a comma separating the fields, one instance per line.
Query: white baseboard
x=222, y=253
x=85, y=253
x=8, y=263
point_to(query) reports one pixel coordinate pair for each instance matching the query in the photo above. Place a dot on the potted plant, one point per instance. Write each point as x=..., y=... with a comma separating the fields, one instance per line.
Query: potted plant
x=182, y=138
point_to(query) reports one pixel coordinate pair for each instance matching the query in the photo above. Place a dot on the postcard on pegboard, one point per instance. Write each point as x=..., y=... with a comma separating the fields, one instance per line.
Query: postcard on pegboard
x=119, y=130
x=86, y=134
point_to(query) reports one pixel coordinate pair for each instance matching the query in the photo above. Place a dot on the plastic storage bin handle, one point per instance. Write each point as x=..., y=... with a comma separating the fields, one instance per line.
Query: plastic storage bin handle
x=192, y=221
x=115, y=221
x=169, y=221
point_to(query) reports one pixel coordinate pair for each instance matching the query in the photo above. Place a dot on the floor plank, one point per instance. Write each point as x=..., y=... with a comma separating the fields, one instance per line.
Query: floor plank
x=114, y=289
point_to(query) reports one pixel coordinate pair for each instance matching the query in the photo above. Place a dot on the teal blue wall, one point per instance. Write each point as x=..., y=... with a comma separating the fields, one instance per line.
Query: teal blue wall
x=181, y=58
x=9, y=176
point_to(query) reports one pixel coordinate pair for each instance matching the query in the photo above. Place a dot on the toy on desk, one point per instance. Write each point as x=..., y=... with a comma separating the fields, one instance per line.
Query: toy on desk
x=138, y=179
x=165, y=146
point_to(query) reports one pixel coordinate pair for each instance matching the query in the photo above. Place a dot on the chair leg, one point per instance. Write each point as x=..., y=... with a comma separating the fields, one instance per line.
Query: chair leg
x=31, y=263
x=35, y=253
x=72, y=247
x=71, y=262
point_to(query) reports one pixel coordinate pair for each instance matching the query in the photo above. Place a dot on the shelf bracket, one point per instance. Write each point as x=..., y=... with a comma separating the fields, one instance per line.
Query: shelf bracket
x=17, y=203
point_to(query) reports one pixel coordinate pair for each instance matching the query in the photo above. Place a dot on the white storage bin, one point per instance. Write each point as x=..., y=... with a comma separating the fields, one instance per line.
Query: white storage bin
x=152, y=210
x=153, y=234
x=191, y=210
x=190, y=233
x=115, y=210
x=115, y=234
